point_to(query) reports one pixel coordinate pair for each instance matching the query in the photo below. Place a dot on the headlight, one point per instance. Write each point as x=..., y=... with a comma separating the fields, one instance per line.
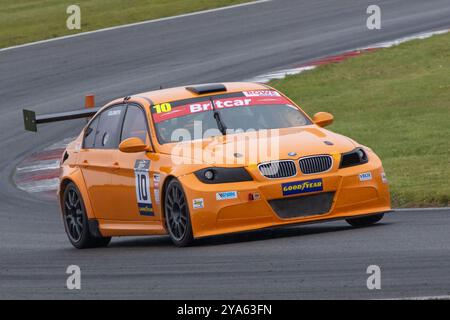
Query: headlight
x=222, y=175
x=354, y=158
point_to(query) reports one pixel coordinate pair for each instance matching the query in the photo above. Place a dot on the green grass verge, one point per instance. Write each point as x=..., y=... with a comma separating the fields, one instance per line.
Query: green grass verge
x=396, y=101
x=31, y=20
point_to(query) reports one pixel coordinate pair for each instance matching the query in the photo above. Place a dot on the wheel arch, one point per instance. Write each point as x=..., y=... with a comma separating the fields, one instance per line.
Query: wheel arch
x=163, y=199
x=187, y=237
x=77, y=179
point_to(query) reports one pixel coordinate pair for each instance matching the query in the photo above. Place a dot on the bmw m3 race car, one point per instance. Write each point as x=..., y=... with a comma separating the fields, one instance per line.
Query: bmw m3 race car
x=210, y=159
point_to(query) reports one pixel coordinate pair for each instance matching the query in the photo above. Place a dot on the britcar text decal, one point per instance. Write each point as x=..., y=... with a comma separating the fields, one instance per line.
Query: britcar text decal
x=168, y=112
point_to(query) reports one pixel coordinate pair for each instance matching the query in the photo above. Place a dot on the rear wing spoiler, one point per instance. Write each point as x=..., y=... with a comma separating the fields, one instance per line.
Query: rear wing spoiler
x=31, y=120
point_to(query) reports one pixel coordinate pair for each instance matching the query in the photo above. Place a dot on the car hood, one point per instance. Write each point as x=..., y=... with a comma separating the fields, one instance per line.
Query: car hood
x=256, y=147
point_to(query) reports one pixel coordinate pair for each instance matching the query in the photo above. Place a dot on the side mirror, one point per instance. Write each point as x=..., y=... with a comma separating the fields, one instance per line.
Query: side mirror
x=133, y=145
x=323, y=119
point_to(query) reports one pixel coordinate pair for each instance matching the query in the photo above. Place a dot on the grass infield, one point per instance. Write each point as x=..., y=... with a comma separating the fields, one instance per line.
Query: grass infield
x=32, y=20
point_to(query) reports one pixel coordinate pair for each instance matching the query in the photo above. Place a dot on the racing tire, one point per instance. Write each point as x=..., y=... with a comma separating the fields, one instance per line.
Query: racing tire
x=76, y=221
x=177, y=216
x=365, y=221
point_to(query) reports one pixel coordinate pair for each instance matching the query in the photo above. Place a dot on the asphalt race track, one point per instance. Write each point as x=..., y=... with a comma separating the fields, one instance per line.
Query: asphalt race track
x=317, y=261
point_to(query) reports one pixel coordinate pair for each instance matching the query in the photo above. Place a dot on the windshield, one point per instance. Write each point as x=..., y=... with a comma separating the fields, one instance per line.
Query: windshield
x=245, y=111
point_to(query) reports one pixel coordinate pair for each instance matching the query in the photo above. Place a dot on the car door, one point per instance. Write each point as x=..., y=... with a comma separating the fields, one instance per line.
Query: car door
x=135, y=185
x=98, y=158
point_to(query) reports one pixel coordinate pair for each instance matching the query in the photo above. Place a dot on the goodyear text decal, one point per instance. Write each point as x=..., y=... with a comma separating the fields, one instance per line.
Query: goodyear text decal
x=305, y=186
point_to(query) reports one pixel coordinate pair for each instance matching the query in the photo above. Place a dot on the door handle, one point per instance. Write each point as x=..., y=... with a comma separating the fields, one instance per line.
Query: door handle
x=115, y=166
x=84, y=164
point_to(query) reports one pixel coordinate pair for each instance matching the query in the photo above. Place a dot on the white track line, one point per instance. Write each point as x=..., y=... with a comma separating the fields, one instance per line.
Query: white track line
x=40, y=185
x=39, y=166
x=280, y=74
x=424, y=298
x=61, y=144
x=417, y=36
x=137, y=24
x=264, y=78
x=422, y=209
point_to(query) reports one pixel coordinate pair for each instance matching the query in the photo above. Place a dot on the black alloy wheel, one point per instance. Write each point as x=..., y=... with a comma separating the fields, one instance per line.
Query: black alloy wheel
x=76, y=221
x=177, y=216
x=365, y=221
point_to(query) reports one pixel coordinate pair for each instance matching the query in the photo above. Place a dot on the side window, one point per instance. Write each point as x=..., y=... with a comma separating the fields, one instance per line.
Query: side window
x=134, y=124
x=108, y=128
x=89, y=134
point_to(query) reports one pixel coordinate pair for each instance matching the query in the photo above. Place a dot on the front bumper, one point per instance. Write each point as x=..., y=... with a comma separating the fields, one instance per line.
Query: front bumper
x=348, y=196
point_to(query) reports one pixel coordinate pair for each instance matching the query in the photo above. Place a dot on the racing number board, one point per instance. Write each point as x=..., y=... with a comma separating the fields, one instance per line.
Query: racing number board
x=144, y=200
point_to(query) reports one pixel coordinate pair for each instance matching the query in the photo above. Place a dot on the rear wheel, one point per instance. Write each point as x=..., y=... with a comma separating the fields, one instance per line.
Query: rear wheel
x=76, y=221
x=365, y=221
x=177, y=216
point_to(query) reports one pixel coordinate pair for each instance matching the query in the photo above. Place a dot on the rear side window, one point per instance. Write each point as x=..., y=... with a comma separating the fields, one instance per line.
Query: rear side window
x=89, y=135
x=134, y=124
x=107, y=135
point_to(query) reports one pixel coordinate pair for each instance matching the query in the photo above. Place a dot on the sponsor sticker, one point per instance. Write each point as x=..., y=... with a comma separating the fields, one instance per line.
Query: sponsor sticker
x=366, y=176
x=156, y=179
x=227, y=195
x=142, y=165
x=261, y=93
x=304, y=186
x=198, y=203
x=384, y=178
x=113, y=113
x=142, y=181
x=254, y=196
x=156, y=194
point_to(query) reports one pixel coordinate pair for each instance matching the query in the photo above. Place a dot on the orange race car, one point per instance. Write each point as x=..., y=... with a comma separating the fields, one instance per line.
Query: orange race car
x=210, y=159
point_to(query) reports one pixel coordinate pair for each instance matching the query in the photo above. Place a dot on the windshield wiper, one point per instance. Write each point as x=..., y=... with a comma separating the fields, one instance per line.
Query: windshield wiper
x=220, y=124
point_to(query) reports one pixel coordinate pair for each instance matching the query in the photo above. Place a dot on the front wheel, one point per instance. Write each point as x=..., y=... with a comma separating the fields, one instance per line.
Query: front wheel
x=76, y=221
x=365, y=221
x=178, y=220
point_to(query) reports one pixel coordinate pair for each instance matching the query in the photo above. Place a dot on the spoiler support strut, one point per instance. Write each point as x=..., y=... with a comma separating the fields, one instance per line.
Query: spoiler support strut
x=31, y=120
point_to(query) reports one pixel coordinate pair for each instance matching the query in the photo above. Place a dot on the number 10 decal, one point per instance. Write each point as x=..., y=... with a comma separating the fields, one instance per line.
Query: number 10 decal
x=144, y=200
x=142, y=186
